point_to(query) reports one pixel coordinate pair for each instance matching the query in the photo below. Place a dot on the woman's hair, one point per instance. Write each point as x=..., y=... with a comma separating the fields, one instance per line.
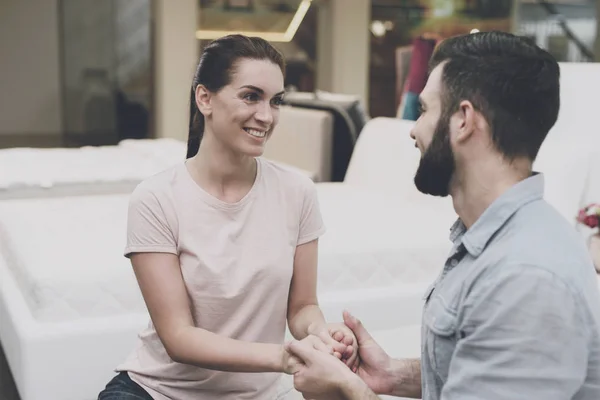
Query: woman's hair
x=214, y=71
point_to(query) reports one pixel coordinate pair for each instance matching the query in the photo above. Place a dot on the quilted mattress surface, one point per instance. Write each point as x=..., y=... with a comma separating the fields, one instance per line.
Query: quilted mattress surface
x=129, y=162
x=66, y=253
x=376, y=239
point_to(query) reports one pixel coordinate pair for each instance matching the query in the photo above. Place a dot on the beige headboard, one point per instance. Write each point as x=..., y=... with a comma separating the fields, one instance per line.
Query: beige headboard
x=303, y=139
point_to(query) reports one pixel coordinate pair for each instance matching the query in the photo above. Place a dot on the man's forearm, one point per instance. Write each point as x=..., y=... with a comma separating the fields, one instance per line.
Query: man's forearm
x=355, y=389
x=406, y=376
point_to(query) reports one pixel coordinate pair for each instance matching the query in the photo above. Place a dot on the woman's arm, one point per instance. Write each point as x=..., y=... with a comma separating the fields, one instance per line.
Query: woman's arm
x=304, y=315
x=303, y=312
x=160, y=280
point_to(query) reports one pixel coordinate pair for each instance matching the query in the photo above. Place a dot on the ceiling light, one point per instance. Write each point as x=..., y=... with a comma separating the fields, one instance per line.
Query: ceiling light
x=272, y=36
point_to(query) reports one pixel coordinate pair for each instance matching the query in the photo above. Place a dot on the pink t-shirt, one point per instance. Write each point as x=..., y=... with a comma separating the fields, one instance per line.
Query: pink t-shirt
x=237, y=264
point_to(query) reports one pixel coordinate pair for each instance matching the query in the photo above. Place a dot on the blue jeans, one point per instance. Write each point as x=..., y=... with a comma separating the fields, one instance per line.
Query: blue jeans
x=121, y=387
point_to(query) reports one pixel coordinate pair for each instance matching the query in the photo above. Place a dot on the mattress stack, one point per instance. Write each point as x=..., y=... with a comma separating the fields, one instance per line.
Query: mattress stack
x=54, y=172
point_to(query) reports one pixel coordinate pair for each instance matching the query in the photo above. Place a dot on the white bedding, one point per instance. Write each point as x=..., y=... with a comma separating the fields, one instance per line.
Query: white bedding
x=373, y=241
x=66, y=254
x=32, y=172
x=58, y=172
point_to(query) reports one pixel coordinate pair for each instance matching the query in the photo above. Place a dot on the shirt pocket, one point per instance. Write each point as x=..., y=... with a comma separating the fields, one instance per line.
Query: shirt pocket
x=442, y=326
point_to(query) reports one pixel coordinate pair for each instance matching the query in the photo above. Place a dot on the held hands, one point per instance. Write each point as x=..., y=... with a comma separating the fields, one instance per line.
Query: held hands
x=374, y=368
x=342, y=340
x=320, y=376
x=291, y=363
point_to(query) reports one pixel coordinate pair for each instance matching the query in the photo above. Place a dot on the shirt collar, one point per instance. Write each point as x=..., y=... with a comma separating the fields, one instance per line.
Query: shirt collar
x=493, y=218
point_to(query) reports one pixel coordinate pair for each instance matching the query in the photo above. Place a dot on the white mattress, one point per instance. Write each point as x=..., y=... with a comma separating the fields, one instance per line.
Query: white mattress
x=58, y=172
x=32, y=172
x=375, y=239
x=66, y=254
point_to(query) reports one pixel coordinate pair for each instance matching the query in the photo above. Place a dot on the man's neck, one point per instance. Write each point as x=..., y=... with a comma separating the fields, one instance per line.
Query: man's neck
x=473, y=191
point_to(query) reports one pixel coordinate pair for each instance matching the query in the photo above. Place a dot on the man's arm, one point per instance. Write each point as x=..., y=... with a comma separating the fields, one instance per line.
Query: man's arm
x=379, y=371
x=405, y=374
x=524, y=336
x=356, y=389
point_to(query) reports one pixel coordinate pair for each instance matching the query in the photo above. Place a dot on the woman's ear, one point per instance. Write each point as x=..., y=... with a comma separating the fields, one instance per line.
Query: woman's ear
x=203, y=100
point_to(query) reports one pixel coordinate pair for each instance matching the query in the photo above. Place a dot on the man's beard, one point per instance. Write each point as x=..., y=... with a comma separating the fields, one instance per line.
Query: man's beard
x=437, y=166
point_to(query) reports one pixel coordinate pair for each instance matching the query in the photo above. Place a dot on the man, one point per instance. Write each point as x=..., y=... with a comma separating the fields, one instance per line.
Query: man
x=515, y=313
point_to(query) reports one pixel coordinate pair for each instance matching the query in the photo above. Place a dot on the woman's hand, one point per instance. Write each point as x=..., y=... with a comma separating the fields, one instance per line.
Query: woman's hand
x=342, y=340
x=291, y=364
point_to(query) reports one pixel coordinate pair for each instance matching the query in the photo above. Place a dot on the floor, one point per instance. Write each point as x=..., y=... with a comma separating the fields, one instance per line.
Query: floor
x=8, y=391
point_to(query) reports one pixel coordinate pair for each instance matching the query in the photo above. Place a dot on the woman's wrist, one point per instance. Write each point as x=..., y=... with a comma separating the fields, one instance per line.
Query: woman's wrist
x=316, y=327
x=277, y=356
x=308, y=320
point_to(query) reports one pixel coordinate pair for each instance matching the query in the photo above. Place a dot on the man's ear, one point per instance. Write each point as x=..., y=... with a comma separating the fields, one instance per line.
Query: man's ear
x=466, y=120
x=203, y=100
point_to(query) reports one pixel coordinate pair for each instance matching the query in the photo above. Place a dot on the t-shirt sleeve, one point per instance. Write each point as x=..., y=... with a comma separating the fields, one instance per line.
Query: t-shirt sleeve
x=311, y=221
x=148, y=229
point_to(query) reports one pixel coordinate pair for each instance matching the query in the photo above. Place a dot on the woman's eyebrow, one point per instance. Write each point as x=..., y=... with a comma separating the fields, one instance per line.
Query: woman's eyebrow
x=259, y=90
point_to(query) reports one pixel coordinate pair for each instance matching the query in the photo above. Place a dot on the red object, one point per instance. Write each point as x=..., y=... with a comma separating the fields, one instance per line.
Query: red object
x=591, y=221
x=590, y=216
x=419, y=62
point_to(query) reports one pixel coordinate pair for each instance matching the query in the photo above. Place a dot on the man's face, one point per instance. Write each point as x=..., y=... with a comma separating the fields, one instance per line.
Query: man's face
x=432, y=136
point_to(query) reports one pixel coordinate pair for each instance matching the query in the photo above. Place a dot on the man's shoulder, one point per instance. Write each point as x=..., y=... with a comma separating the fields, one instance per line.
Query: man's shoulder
x=538, y=235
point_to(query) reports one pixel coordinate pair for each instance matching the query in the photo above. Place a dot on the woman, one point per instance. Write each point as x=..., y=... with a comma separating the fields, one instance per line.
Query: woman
x=224, y=247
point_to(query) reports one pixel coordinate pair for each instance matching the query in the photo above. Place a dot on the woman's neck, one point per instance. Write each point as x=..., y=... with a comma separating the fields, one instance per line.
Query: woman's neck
x=221, y=172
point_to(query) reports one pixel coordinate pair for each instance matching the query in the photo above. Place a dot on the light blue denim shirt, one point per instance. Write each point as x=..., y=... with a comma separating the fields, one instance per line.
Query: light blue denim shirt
x=515, y=313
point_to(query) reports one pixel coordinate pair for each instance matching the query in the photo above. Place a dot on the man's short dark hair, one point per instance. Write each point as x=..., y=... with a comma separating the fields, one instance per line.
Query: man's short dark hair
x=511, y=81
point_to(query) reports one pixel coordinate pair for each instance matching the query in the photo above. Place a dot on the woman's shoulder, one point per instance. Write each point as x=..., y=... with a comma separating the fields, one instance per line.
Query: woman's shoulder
x=285, y=174
x=159, y=185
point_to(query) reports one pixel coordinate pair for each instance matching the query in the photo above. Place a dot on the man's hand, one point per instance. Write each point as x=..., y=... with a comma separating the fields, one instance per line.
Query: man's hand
x=336, y=334
x=374, y=367
x=323, y=376
x=291, y=364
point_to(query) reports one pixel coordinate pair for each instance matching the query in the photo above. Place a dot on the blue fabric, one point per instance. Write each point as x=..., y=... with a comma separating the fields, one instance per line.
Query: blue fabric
x=411, y=106
x=121, y=387
x=515, y=312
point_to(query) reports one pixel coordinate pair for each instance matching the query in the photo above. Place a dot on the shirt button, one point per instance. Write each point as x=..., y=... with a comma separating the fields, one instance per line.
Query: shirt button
x=454, y=262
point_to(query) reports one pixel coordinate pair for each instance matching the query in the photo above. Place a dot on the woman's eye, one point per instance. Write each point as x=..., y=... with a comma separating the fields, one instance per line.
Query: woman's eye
x=251, y=97
x=277, y=101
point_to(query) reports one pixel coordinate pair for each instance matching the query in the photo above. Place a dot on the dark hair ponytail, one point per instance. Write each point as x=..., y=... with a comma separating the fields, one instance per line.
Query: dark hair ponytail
x=196, y=127
x=214, y=70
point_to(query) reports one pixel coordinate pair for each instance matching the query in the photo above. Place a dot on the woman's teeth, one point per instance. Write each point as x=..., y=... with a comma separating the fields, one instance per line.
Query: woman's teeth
x=256, y=133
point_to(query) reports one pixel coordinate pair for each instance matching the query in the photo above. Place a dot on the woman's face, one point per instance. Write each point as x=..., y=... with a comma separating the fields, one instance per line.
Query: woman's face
x=244, y=113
